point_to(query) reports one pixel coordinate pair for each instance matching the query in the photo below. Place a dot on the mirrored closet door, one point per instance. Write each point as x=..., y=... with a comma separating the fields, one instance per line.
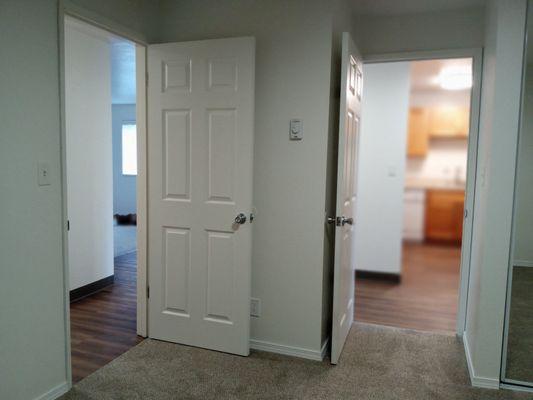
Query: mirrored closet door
x=517, y=366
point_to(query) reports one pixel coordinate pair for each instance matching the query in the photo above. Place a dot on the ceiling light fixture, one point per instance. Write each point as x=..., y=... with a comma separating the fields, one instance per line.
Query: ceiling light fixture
x=455, y=77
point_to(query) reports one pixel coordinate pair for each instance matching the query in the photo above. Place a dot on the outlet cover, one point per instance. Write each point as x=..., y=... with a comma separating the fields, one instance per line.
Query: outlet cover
x=43, y=174
x=255, y=307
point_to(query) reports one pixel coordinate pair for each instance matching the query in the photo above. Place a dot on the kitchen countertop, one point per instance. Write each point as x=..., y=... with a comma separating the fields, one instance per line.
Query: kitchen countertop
x=434, y=184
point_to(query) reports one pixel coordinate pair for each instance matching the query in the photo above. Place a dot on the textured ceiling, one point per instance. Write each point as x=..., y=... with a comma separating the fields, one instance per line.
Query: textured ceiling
x=397, y=7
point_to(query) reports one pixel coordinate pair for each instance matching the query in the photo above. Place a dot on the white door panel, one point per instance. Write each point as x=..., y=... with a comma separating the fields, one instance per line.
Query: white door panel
x=200, y=149
x=349, y=125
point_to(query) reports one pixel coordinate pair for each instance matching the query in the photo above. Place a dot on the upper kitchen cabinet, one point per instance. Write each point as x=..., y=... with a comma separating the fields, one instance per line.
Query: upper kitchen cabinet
x=448, y=122
x=417, y=134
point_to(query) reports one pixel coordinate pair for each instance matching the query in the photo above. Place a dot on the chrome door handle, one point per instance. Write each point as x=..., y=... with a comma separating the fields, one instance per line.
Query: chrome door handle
x=345, y=221
x=240, y=219
x=340, y=221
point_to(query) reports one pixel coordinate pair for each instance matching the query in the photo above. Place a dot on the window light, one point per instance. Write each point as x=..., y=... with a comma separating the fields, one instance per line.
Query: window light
x=129, y=149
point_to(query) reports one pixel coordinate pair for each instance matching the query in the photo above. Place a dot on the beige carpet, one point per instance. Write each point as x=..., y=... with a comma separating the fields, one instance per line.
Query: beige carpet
x=378, y=363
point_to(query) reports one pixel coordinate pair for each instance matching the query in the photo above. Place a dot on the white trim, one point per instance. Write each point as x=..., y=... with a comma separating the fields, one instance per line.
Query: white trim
x=517, y=387
x=300, y=352
x=523, y=263
x=67, y=7
x=478, y=381
x=142, y=192
x=55, y=392
x=473, y=139
x=422, y=55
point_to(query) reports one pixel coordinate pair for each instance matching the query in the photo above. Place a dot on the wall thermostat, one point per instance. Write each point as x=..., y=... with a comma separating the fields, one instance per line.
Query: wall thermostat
x=296, y=130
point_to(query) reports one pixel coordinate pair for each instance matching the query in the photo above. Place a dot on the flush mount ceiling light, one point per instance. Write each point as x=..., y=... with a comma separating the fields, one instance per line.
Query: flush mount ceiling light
x=455, y=77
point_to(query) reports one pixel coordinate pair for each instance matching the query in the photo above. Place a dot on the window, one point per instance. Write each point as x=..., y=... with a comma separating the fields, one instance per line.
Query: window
x=129, y=149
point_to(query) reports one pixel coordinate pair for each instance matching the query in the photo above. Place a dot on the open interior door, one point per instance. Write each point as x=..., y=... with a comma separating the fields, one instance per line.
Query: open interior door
x=200, y=159
x=349, y=125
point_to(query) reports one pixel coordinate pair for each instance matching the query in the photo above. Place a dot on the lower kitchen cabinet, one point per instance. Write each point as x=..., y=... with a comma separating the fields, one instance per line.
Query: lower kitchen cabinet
x=444, y=215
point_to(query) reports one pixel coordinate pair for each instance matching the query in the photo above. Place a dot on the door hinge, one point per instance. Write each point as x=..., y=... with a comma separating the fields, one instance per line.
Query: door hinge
x=466, y=213
x=68, y=225
x=147, y=292
x=146, y=78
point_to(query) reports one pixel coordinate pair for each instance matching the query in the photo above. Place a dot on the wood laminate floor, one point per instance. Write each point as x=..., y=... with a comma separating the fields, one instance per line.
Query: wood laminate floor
x=103, y=326
x=426, y=299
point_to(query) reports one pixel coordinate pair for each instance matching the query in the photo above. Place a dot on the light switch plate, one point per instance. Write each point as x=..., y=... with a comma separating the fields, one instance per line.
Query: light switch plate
x=255, y=307
x=43, y=174
x=296, y=129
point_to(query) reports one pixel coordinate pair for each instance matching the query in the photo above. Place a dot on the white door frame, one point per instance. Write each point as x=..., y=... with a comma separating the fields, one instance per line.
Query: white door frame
x=66, y=8
x=473, y=138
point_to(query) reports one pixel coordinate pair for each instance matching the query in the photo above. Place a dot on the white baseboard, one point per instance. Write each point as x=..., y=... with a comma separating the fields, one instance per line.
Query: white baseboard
x=55, y=392
x=300, y=352
x=478, y=381
x=523, y=263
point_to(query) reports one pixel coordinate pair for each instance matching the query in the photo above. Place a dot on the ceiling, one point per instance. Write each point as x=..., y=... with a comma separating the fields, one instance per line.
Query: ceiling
x=122, y=72
x=396, y=7
x=424, y=73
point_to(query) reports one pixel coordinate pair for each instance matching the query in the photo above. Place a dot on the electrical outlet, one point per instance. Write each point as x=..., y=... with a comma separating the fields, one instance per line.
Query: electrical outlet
x=255, y=307
x=43, y=174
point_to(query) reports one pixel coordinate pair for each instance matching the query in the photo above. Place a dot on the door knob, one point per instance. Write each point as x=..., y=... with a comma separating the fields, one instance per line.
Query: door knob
x=240, y=219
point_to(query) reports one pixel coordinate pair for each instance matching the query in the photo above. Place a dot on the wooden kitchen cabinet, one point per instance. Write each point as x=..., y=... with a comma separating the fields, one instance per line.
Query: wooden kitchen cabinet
x=417, y=134
x=444, y=215
x=449, y=122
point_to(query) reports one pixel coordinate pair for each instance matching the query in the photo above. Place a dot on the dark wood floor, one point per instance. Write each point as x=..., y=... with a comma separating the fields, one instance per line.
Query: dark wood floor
x=426, y=299
x=103, y=326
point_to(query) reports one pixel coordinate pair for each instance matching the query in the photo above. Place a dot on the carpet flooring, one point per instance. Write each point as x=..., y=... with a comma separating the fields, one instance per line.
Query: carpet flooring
x=520, y=341
x=378, y=363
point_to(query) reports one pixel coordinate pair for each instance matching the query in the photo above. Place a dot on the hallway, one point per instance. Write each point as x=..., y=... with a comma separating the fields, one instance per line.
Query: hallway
x=103, y=325
x=426, y=299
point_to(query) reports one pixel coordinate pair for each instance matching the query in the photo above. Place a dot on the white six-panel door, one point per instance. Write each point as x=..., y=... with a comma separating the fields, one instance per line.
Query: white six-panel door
x=200, y=158
x=349, y=125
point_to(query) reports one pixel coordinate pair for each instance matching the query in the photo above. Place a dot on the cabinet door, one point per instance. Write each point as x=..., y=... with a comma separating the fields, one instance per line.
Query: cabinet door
x=449, y=122
x=417, y=138
x=444, y=215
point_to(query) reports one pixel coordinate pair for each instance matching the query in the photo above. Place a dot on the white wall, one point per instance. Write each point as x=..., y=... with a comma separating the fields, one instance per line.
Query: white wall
x=89, y=153
x=293, y=61
x=523, y=219
x=424, y=31
x=32, y=324
x=33, y=348
x=494, y=188
x=382, y=149
x=124, y=186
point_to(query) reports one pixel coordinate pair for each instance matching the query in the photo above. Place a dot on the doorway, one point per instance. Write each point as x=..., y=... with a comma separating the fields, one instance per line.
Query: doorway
x=415, y=199
x=101, y=193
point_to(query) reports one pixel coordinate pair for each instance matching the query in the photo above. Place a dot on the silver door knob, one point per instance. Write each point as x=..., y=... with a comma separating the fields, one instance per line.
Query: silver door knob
x=240, y=219
x=345, y=221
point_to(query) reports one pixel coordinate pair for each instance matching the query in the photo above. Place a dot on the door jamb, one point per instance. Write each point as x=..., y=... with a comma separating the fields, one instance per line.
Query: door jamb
x=473, y=140
x=66, y=8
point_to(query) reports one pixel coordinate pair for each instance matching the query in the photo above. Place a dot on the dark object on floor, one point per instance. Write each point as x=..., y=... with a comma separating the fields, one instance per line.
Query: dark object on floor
x=104, y=325
x=378, y=363
x=91, y=288
x=129, y=219
x=382, y=276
